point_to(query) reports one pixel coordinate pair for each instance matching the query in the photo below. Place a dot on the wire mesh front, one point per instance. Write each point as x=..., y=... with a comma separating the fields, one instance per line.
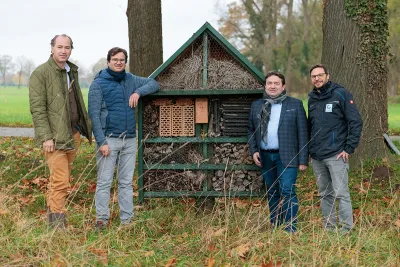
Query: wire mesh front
x=163, y=180
x=170, y=153
x=224, y=72
x=238, y=181
x=186, y=72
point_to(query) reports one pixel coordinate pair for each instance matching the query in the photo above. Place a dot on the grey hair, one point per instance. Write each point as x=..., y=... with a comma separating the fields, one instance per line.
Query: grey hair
x=53, y=41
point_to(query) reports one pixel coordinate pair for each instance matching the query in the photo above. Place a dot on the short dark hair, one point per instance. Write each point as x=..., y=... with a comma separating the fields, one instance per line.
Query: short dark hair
x=319, y=66
x=53, y=41
x=275, y=73
x=115, y=50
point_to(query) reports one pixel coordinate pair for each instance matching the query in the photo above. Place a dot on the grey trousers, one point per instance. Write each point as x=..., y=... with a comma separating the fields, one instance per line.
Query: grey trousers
x=332, y=180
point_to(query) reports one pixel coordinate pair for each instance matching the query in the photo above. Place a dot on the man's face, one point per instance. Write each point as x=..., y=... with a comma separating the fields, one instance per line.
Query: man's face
x=61, y=50
x=117, y=62
x=318, y=77
x=274, y=86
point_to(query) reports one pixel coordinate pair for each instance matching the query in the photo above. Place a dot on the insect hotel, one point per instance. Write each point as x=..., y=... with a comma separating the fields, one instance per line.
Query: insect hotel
x=192, y=133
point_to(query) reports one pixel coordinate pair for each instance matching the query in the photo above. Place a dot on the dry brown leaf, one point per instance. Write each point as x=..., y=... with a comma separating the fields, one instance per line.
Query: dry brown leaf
x=271, y=264
x=219, y=232
x=211, y=247
x=39, y=181
x=242, y=250
x=98, y=251
x=397, y=223
x=210, y=262
x=4, y=212
x=149, y=253
x=256, y=203
x=27, y=199
x=92, y=187
x=171, y=262
x=241, y=203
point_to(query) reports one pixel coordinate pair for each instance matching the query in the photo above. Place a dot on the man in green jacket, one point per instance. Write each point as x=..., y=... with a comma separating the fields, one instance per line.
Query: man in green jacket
x=59, y=118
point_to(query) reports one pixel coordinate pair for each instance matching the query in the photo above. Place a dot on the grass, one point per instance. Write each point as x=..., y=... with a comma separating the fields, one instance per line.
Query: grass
x=170, y=231
x=14, y=106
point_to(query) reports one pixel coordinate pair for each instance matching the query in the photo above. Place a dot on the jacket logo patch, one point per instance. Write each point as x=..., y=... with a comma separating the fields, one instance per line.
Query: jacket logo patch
x=328, y=108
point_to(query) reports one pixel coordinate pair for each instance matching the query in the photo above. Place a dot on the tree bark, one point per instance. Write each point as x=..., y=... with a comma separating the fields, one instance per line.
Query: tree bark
x=342, y=40
x=145, y=36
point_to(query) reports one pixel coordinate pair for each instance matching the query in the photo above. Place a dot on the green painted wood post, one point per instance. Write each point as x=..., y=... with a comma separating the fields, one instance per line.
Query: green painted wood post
x=140, y=151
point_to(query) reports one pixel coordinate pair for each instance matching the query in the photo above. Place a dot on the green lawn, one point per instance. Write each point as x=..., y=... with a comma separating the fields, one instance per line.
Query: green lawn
x=14, y=108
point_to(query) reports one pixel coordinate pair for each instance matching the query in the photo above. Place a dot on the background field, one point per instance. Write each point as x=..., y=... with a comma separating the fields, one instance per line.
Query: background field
x=14, y=108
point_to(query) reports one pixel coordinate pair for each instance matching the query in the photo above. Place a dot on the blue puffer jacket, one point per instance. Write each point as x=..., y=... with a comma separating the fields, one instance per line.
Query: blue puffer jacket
x=108, y=105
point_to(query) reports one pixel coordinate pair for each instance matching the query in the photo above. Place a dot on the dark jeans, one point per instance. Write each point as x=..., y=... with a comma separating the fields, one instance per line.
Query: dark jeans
x=282, y=198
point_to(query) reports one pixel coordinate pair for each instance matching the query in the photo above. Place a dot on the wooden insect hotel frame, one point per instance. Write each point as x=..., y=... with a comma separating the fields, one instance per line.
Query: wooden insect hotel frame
x=192, y=133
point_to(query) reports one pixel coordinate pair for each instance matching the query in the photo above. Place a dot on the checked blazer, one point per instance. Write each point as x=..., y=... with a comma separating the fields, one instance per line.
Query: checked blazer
x=292, y=131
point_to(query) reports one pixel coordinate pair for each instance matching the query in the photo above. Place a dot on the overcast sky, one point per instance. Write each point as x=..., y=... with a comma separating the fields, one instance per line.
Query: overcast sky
x=94, y=25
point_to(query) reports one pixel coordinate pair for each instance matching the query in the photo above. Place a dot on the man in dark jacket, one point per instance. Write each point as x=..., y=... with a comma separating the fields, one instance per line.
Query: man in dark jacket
x=113, y=96
x=59, y=117
x=335, y=127
x=278, y=137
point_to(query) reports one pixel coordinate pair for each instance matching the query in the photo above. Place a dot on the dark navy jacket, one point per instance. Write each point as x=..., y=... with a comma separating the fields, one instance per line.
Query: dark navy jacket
x=334, y=121
x=292, y=131
x=108, y=105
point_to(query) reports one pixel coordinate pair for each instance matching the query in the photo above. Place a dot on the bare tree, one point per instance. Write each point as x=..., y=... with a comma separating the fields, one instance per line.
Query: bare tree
x=28, y=68
x=355, y=50
x=21, y=60
x=5, y=66
x=145, y=36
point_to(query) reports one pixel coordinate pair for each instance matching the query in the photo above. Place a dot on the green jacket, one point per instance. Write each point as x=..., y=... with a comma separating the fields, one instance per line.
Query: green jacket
x=49, y=103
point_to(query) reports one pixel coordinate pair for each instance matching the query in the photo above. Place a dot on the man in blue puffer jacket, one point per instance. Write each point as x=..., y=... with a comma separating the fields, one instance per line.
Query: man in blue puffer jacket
x=113, y=96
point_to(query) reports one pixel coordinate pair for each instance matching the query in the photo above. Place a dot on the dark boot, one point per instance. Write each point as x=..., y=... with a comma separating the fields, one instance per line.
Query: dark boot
x=57, y=220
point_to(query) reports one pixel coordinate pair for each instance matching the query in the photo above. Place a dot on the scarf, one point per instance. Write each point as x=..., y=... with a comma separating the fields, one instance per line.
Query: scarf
x=266, y=112
x=118, y=76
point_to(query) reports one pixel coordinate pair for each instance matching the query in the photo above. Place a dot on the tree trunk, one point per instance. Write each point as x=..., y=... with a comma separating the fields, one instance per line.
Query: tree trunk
x=366, y=80
x=145, y=36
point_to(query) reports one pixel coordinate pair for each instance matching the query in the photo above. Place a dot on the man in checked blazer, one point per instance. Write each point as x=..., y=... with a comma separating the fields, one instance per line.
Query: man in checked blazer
x=278, y=138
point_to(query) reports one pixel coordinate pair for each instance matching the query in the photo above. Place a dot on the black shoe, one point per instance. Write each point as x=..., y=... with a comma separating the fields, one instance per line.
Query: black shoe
x=57, y=220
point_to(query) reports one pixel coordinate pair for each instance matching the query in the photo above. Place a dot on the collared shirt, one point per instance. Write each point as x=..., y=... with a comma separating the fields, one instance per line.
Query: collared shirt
x=67, y=68
x=272, y=135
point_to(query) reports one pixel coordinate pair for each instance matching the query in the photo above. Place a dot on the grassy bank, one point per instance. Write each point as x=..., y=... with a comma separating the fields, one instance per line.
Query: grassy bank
x=169, y=232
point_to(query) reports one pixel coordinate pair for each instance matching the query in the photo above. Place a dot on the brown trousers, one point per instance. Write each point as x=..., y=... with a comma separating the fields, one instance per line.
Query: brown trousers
x=60, y=166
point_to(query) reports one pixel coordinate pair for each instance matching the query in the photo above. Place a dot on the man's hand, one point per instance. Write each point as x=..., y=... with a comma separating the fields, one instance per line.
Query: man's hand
x=343, y=155
x=302, y=167
x=256, y=158
x=105, y=150
x=133, y=100
x=48, y=146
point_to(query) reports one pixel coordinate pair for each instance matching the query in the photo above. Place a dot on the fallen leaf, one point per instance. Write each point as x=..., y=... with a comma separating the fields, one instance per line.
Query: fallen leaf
x=39, y=181
x=4, y=212
x=242, y=250
x=171, y=263
x=211, y=247
x=241, y=203
x=25, y=182
x=98, y=251
x=210, y=262
x=256, y=203
x=397, y=223
x=149, y=253
x=27, y=200
x=92, y=187
x=219, y=232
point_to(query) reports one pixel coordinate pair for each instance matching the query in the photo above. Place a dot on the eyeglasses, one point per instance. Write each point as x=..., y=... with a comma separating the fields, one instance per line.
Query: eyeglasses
x=313, y=77
x=116, y=60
